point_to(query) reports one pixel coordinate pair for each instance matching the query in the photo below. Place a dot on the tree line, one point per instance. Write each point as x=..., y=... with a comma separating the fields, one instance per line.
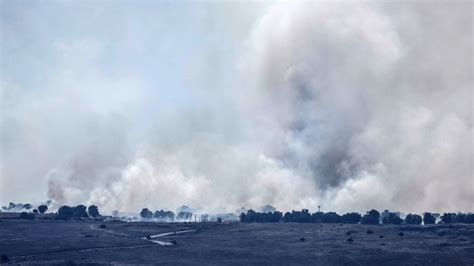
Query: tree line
x=371, y=217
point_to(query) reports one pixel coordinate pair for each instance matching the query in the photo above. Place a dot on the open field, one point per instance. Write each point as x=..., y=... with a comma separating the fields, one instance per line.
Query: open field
x=60, y=242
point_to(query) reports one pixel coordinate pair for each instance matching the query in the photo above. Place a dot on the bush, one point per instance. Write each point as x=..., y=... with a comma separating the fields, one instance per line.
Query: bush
x=428, y=218
x=413, y=219
x=27, y=215
x=371, y=217
x=351, y=218
x=146, y=213
x=93, y=211
x=392, y=218
x=42, y=208
x=35, y=211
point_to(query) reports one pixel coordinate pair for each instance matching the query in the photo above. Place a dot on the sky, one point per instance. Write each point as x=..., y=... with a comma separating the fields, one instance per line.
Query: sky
x=226, y=104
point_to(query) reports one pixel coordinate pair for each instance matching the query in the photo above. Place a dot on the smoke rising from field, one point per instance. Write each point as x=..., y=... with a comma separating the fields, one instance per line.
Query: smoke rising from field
x=345, y=105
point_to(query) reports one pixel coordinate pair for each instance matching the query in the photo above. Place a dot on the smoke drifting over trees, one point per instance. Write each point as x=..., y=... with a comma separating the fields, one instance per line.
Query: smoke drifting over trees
x=348, y=105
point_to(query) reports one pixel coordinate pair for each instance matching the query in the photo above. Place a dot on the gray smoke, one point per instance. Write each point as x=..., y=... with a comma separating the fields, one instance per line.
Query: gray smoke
x=347, y=105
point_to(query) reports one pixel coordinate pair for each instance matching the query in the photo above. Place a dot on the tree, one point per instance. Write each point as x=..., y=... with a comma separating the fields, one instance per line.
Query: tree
x=413, y=219
x=42, y=208
x=35, y=211
x=392, y=218
x=460, y=218
x=428, y=218
x=317, y=217
x=470, y=218
x=351, y=218
x=93, y=211
x=26, y=215
x=80, y=211
x=146, y=213
x=448, y=218
x=184, y=216
x=162, y=215
x=331, y=217
x=371, y=217
x=65, y=213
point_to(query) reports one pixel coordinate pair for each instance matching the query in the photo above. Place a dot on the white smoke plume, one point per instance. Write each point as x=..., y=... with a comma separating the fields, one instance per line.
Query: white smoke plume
x=346, y=105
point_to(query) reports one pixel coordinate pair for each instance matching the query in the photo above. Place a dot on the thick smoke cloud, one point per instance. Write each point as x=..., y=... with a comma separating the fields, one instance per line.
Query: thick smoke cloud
x=349, y=106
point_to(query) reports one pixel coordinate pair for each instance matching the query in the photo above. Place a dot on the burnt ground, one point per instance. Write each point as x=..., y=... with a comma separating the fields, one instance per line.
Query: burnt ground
x=80, y=242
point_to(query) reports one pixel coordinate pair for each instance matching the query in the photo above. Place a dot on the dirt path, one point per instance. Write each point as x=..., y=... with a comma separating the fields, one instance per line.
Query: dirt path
x=164, y=243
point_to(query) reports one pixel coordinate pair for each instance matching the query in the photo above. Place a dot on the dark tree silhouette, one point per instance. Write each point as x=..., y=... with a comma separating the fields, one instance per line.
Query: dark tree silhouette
x=470, y=218
x=371, y=217
x=260, y=217
x=65, y=212
x=331, y=217
x=448, y=218
x=428, y=218
x=164, y=215
x=413, y=219
x=317, y=217
x=80, y=211
x=184, y=216
x=392, y=218
x=27, y=215
x=93, y=211
x=351, y=218
x=146, y=213
x=42, y=208
x=35, y=211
